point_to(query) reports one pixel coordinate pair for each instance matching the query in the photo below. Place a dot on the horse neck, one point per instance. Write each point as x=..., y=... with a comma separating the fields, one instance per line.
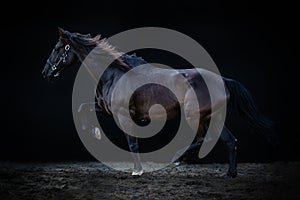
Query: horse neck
x=104, y=58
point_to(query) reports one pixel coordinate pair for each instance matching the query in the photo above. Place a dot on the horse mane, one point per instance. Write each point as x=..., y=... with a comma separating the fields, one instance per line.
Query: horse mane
x=85, y=43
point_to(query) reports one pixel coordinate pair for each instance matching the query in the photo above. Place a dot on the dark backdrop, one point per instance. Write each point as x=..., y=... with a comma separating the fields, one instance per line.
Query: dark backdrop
x=253, y=42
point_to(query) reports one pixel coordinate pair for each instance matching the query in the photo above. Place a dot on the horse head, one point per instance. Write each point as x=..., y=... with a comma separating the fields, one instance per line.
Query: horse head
x=62, y=56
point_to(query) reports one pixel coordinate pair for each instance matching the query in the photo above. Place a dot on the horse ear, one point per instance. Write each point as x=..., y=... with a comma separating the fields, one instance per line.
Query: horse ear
x=61, y=32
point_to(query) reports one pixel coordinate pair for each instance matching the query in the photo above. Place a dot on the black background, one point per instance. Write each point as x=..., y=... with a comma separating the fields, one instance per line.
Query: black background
x=253, y=42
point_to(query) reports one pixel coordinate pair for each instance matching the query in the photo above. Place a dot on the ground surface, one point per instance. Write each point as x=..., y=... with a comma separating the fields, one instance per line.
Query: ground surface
x=93, y=180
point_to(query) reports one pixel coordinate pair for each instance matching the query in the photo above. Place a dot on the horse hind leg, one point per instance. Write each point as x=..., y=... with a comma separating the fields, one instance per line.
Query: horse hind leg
x=193, y=123
x=230, y=142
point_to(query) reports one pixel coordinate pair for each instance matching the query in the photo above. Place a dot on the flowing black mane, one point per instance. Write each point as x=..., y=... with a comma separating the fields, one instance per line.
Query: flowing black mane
x=85, y=43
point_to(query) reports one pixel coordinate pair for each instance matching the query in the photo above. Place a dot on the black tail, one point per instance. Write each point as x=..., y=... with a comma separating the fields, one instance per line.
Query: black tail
x=243, y=103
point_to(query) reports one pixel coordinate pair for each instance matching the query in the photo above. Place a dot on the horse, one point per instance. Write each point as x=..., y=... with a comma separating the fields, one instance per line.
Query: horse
x=74, y=47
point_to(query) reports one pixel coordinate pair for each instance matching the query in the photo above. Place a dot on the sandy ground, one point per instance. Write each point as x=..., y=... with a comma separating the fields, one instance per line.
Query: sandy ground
x=92, y=180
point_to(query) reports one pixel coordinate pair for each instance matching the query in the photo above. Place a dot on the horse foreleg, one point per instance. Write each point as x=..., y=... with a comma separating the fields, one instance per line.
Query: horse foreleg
x=134, y=149
x=84, y=110
x=230, y=142
x=126, y=125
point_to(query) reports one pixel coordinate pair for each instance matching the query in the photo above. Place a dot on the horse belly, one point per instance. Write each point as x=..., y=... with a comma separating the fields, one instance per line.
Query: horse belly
x=156, y=99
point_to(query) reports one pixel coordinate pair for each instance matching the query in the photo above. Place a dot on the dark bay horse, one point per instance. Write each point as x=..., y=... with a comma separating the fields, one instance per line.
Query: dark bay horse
x=74, y=47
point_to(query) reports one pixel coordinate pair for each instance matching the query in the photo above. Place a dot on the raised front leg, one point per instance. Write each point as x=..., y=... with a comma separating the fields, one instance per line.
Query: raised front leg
x=230, y=142
x=84, y=110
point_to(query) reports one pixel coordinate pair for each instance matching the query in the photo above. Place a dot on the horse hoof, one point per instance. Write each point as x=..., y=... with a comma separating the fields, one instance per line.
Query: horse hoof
x=137, y=172
x=176, y=163
x=231, y=174
x=97, y=133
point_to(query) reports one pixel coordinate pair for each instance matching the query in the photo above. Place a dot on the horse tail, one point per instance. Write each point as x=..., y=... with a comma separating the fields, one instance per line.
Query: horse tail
x=242, y=101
